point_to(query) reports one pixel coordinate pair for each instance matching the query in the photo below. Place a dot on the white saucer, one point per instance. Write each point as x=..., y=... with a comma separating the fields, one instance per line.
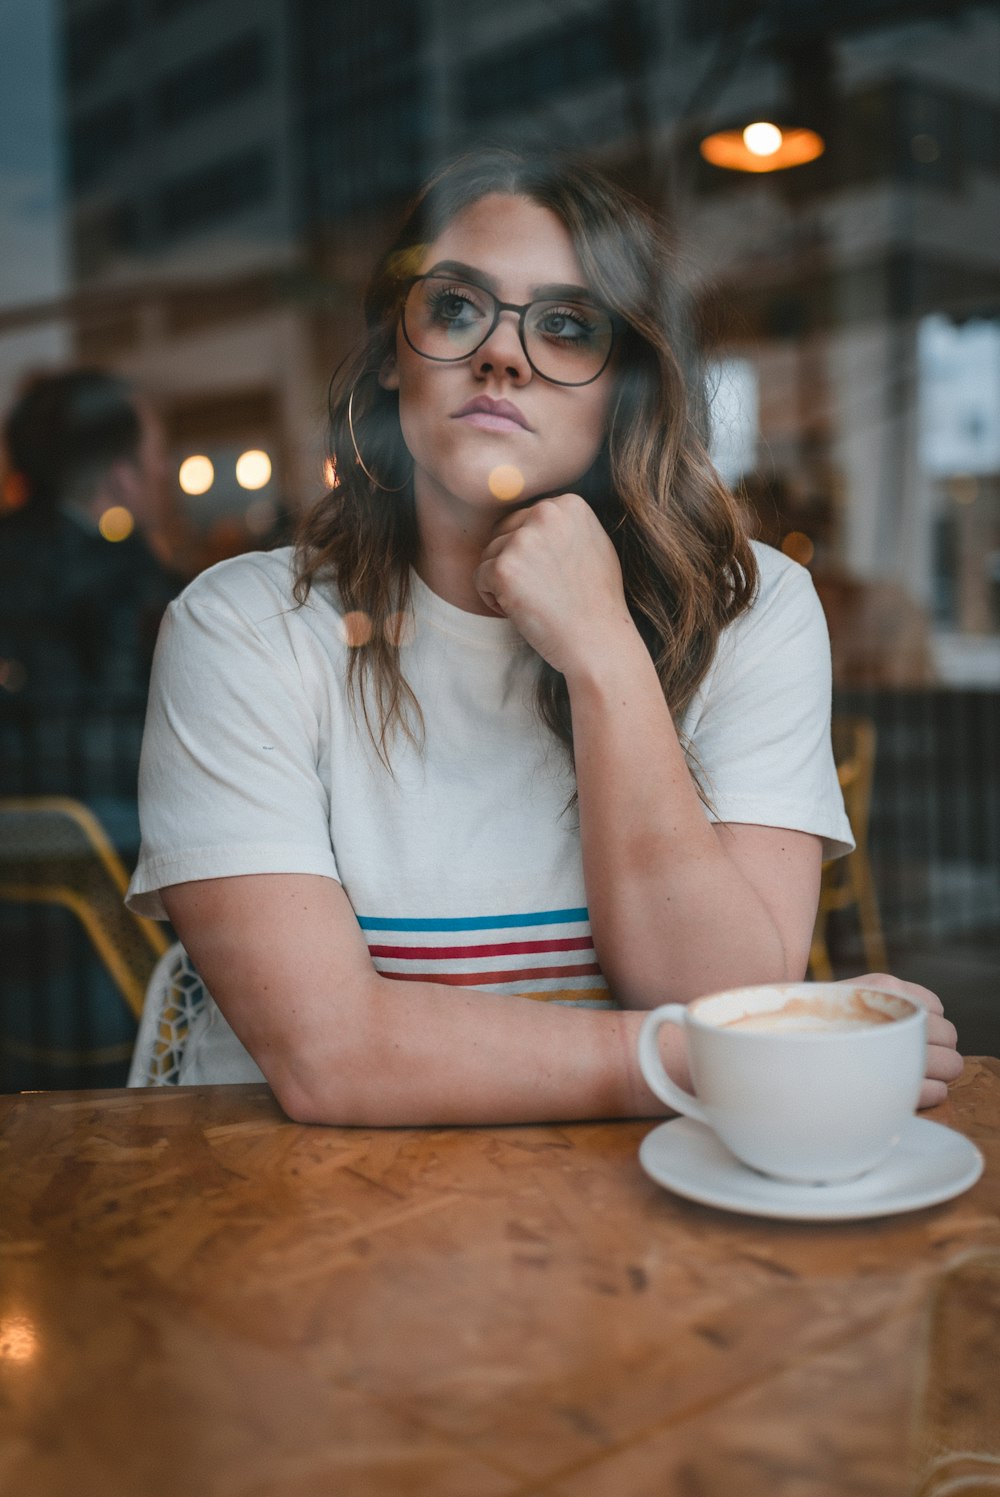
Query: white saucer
x=930, y=1163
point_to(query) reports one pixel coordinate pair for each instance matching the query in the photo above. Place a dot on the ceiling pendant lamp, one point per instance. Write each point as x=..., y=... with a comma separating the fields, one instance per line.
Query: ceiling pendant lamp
x=797, y=132
x=762, y=146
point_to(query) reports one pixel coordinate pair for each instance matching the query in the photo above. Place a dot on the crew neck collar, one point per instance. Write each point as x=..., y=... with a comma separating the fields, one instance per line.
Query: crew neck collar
x=476, y=628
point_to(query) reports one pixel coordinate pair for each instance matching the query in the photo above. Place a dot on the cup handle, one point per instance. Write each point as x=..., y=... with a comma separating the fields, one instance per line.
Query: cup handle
x=652, y=1066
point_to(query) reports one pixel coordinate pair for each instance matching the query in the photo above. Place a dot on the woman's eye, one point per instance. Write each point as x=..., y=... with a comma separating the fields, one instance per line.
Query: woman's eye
x=565, y=323
x=453, y=305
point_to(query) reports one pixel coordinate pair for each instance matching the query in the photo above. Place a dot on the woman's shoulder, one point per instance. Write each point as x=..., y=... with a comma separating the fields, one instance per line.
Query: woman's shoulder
x=785, y=596
x=778, y=573
x=785, y=614
x=256, y=585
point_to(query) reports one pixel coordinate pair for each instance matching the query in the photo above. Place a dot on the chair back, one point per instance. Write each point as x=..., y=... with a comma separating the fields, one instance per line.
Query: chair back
x=53, y=850
x=175, y=997
x=848, y=883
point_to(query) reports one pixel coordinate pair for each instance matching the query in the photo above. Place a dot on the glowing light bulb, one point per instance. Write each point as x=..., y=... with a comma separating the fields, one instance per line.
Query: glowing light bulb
x=253, y=469
x=196, y=475
x=762, y=139
x=116, y=523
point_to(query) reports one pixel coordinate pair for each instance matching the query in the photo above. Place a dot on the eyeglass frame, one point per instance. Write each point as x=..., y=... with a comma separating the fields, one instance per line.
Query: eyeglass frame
x=522, y=310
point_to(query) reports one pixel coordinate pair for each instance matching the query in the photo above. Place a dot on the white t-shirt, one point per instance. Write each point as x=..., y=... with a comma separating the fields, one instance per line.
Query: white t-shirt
x=463, y=865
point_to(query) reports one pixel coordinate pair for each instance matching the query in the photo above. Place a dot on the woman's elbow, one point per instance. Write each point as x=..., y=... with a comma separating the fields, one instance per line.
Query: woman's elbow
x=336, y=1088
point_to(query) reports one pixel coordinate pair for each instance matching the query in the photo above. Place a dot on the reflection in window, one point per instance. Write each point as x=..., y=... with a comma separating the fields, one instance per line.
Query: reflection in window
x=100, y=138
x=103, y=234
x=363, y=121
x=959, y=425
x=215, y=79
x=203, y=197
x=959, y=375
x=164, y=9
x=733, y=409
x=93, y=39
x=527, y=74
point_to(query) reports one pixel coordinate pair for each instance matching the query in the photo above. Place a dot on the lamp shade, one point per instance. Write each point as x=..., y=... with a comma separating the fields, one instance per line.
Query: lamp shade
x=762, y=146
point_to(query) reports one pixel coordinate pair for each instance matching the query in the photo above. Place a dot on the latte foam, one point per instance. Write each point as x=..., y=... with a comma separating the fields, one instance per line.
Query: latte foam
x=782, y=1023
x=814, y=1015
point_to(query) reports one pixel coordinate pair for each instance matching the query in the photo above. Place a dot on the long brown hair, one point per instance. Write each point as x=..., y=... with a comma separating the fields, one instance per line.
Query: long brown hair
x=687, y=564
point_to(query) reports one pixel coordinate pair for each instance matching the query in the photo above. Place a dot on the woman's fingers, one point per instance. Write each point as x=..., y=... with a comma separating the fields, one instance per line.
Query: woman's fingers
x=941, y=1032
x=943, y=1063
x=884, y=982
x=932, y=1094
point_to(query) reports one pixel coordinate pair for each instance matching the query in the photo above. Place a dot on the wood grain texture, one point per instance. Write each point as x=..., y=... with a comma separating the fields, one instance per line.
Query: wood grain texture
x=198, y=1296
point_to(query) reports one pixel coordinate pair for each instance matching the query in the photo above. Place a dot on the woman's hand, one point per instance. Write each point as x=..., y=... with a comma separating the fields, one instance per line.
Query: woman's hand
x=552, y=570
x=944, y=1064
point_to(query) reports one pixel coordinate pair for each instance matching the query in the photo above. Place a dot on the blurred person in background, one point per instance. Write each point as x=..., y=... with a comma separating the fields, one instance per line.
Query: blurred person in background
x=87, y=532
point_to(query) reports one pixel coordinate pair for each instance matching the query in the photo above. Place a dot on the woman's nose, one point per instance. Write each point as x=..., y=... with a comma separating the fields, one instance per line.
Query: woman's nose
x=503, y=352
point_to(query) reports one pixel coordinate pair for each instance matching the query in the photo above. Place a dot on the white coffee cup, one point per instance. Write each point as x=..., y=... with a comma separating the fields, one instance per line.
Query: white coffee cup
x=812, y=1082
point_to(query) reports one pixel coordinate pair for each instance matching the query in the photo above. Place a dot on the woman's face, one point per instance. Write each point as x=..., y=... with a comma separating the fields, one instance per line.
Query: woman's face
x=516, y=249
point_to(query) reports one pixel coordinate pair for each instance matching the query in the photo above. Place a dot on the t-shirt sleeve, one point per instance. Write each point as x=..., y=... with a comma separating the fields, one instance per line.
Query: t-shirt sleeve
x=760, y=726
x=228, y=779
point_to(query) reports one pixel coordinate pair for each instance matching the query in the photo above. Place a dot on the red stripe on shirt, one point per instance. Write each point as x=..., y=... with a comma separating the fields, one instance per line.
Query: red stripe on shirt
x=503, y=948
x=473, y=979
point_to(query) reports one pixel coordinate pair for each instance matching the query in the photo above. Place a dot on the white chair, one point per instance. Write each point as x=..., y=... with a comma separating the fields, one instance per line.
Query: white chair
x=175, y=996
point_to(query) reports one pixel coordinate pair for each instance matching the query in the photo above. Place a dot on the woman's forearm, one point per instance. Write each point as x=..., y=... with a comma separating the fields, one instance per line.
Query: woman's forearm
x=288, y=965
x=417, y=1054
x=672, y=914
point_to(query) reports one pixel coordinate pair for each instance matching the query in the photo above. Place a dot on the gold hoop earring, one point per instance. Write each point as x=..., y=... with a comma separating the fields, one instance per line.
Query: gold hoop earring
x=357, y=452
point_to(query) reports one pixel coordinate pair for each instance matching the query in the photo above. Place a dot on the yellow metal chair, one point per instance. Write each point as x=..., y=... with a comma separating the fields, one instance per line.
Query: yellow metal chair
x=848, y=882
x=53, y=850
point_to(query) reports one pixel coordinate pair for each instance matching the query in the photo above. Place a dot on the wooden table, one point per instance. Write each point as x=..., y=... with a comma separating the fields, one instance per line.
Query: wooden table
x=202, y=1299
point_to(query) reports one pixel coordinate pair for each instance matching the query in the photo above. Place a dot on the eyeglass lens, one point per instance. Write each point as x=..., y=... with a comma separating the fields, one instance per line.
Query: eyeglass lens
x=566, y=341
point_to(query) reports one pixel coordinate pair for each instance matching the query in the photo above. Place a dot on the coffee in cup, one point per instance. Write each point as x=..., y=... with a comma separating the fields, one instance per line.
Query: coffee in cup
x=808, y=1082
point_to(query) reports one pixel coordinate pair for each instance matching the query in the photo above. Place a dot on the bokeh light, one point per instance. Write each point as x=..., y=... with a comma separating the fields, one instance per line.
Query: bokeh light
x=762, y=138
x=357, y=628
x=506, y=482
x=253, y=469
x=116, y=523
x=799, y=547
x=196, y=475
x=18, y=1338
x=14, y=492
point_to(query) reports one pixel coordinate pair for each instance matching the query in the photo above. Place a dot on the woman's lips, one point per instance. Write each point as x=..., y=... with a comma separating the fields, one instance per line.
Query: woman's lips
x=491, y=415
x=490, y=421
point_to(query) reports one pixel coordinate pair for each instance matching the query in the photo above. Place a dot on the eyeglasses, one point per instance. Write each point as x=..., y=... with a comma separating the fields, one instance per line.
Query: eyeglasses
x=566, y=341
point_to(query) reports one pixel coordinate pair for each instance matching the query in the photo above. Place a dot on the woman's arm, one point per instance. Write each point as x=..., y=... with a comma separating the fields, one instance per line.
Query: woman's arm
x=287, y=963
x=678, y=907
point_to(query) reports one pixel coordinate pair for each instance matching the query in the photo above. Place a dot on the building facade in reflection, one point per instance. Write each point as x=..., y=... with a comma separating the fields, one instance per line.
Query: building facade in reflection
x=231, y=165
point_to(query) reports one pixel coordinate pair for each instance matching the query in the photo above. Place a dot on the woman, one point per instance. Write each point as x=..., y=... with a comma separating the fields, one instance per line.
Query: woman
x=524, y=718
